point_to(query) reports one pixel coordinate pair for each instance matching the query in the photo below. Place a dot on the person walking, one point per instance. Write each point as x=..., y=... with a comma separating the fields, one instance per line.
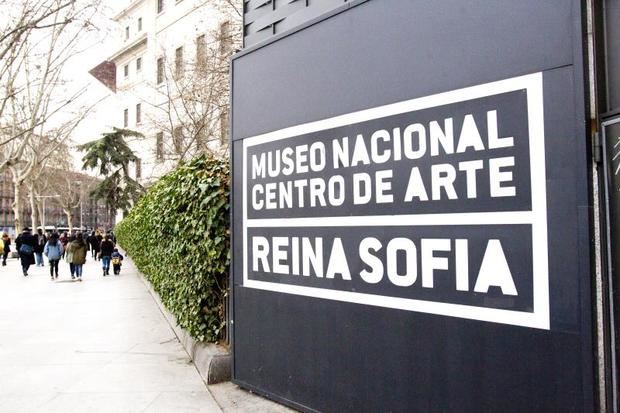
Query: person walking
x=107, y=248
x=117, y=261
x=77, y=249
x=25, y=243
x=53, y=250
x=38, y=248
x=6, y=247
x=100, y=239
x=64, y=240
x=93, y=241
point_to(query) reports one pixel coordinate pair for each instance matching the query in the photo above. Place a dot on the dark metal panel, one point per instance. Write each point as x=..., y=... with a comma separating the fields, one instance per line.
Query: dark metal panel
x=612, y=40
x=324, y=355
x=277, y=16
x=611, y=168
x=378, y=59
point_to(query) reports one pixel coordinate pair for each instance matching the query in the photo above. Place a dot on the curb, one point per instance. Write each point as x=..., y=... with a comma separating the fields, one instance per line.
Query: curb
x=213, y=362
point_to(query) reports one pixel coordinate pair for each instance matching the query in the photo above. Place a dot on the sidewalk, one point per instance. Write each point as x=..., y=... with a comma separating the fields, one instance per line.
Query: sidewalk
x=101, y=345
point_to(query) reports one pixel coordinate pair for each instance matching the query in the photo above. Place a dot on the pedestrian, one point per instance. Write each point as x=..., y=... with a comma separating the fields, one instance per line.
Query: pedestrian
x=38, y=248
x=107, y=248
x=6, y=247
x=64, y=240
x=100, y=239
x=77, y=249
x=117, y=261
x=25, y=243
x=53, y=251
x=94, y=243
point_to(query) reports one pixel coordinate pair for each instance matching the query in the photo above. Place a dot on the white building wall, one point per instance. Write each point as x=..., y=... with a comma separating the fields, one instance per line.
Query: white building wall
x=178, y=25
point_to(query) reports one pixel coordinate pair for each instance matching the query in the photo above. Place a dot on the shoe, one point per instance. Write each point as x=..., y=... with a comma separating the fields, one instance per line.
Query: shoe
x=56, y=276
x=73, y=277
x=80, y=279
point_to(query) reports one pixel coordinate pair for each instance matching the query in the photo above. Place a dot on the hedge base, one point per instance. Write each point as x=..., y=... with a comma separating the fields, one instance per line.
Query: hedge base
x=213, y=361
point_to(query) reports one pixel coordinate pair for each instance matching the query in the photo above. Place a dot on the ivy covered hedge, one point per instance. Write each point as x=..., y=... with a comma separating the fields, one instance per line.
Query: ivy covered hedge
x=178, y=236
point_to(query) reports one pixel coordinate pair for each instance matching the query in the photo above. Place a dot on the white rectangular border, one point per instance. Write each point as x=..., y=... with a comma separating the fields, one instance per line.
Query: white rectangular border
x=539, y=318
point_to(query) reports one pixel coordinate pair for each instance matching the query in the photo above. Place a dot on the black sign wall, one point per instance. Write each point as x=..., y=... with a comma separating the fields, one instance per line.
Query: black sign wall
x=411, y=220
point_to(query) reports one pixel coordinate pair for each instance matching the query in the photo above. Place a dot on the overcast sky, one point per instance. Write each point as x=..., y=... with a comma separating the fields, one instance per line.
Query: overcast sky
x=98, y=46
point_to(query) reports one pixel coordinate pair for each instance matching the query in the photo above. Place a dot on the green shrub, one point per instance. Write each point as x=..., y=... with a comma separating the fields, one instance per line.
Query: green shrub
x=178, y=236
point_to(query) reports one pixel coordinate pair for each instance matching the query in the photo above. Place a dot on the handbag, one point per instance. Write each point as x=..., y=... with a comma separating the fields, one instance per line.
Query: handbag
x=69, y=256
x=26, y=249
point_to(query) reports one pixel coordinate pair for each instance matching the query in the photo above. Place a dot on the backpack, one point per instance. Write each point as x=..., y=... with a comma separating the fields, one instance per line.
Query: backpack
x=53, y=252
x=25, y=249
x=116, y=260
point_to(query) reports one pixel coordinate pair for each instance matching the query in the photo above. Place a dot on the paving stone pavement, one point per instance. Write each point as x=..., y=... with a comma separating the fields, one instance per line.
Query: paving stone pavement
x=100, y=345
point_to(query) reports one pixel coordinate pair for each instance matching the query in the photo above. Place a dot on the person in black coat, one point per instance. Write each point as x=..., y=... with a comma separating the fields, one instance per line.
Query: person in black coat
x=40, y=245
x=107, y=248
x=26, y=244
x=94, y=243
x=6, y=241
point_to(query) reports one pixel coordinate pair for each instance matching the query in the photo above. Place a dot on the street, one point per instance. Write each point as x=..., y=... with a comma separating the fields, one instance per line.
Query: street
x=95, y=346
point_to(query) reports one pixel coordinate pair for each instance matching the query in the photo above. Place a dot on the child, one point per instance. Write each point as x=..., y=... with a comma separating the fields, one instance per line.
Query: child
x=117, y=260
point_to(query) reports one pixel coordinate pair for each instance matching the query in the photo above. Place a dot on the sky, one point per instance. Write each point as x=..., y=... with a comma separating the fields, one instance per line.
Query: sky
x=98, y=46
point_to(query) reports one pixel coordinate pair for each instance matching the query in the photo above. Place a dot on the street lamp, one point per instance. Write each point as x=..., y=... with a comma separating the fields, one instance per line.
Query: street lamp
x=44, y=197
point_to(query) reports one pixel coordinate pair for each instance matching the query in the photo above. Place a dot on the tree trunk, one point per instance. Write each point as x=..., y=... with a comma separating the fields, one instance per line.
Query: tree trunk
x=40, y=209
x=17, y=205
x=69, y=215
x=33, y=209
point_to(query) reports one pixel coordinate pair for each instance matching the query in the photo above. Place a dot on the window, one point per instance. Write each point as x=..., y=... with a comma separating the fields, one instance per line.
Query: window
x=159, y=145
x=225, y=39
x=126, y=32
x=160, y=6
x=178, y=62
x=139, y=24
x=126, y=71
x=138, y=64
x=138, y=168
x=126, y=118
x=177, y=139
x=201, y=51
x=138, y=113
x=160, y=70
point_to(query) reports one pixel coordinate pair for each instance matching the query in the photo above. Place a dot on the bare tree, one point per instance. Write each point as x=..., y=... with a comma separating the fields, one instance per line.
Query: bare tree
x=23, y=19
x=42, y=37
x=192, y=116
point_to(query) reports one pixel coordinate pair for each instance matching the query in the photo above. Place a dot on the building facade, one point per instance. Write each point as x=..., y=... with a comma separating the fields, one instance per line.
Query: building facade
x=86, y=212
x=170, y=78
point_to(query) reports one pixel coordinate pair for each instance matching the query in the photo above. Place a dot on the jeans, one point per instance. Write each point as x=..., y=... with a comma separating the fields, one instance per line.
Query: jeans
x=78, y=270
x=72, y=269
x=39, y=258
x=105, y=261
x=53, y=267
